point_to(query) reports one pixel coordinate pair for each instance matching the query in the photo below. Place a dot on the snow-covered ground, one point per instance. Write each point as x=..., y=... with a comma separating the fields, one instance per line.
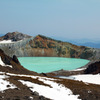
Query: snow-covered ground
x=57, y=92
x=4, y=84
x=87, y=78
x=3, y=64
x=32, y=76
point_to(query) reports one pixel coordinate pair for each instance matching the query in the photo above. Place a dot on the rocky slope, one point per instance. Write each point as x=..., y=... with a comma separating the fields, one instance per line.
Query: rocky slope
x=44, y=46
x=14, y=36
x=18, y=83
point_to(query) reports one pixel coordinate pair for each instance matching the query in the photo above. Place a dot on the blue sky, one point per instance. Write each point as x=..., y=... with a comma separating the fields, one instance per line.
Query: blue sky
x=62, y=19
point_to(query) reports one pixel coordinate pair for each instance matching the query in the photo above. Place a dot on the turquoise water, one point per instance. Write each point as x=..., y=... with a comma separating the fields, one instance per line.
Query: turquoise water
x=49, y=64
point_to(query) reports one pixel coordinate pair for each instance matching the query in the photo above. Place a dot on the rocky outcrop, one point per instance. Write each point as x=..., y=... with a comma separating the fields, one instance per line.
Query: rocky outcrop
x=14, y=36
x=93, y=68
x=48, y=47
x=15, y=59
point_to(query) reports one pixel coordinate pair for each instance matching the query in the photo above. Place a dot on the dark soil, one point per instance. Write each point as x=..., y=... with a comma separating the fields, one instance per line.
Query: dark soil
x=85, y=91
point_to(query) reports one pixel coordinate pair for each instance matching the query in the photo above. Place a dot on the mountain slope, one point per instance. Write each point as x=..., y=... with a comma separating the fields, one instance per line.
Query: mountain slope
x=8, y=64
x=14, y=36
x=44, y=46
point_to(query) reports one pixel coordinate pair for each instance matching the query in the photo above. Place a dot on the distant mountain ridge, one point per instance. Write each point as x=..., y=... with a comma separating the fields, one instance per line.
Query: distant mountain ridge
x=91, y=44
x=43, y=46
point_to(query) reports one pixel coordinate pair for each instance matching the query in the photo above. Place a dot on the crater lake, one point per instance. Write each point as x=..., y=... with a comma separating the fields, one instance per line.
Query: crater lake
x=49, y=64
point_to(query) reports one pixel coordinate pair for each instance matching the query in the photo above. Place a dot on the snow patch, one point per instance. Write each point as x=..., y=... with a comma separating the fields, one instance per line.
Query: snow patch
x=31, y=98
x=4, y=84
x=66, y=77
x=10, y=41
x=79, y=69
x=2, y=72
x=32, y=76
x=3, y=64
x=94, y=79
x=6, y=41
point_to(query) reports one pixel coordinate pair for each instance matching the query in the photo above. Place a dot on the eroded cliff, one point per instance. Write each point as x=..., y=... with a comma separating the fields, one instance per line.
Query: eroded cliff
x=48, y=47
